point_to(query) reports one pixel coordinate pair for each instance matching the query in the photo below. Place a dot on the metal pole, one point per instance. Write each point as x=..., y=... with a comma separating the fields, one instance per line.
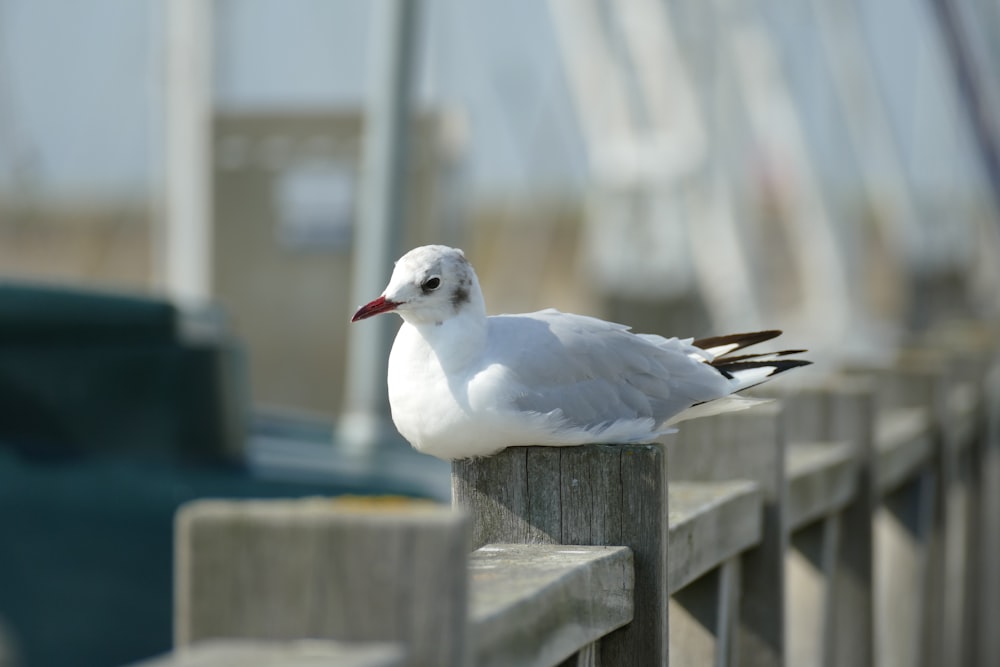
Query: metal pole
x=186, y=238
x=365, y=419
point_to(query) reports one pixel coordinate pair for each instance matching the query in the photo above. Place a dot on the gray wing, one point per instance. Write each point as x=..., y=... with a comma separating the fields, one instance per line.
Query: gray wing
x=596, y=372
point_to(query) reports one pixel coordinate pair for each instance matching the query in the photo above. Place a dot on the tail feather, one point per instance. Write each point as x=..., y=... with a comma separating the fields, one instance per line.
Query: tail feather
x=753, y=372
x=761, y=355
x=719, y=346
x=748, y=369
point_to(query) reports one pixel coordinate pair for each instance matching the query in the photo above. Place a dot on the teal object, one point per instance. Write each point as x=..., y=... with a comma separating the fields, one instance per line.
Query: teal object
x=86, y=550
x=114, y=410
x=49, y=314
x=86, y=373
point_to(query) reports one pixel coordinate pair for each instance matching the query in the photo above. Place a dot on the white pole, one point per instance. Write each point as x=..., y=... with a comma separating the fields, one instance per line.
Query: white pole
x=365, y=418
x=185, y=244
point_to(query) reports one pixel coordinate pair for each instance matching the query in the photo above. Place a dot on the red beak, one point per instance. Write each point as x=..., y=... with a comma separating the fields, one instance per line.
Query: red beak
x=379, y=305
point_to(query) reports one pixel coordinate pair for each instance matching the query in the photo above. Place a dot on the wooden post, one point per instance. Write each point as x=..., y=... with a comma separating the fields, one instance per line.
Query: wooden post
x=356, y=570
x=852, y=419
x=970, y=349
x=747, y=445
x=843, y=410
x=903, y=527
x=811, y=566
x=920, y=380
x=703, y=616
x=908, y=523
x=594, y=494
x=988, y=602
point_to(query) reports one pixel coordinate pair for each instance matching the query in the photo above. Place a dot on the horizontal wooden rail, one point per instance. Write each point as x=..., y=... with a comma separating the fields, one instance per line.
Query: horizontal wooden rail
x=357, y=569
x=533, y=605
x=297, y=653
x=710, y=522
x=822, y=479
x=904, y=442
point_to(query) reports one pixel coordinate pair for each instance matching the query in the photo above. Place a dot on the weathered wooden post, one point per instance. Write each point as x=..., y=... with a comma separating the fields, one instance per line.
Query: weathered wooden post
x=747, y=445
x=956, y=364
x=843, y=410
x=971, y=348
x=988, y=602
x=352, y=569
x=906, y=481
x=592, y=494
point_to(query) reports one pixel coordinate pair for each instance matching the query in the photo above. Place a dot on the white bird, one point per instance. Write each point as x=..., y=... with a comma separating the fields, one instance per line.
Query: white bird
x=462, y=384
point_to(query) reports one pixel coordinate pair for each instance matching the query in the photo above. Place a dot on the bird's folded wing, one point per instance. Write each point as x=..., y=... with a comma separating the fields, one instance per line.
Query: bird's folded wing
x=595, y=372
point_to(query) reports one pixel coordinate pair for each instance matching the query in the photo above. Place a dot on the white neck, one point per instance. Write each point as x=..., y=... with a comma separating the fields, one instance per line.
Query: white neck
x=459, y=340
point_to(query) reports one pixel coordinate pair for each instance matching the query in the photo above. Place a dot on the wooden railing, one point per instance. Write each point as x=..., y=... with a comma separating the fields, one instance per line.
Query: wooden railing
x=849, y=523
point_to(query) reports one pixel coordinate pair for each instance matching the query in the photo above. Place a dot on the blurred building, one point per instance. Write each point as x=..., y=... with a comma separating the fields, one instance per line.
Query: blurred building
x=693, y=166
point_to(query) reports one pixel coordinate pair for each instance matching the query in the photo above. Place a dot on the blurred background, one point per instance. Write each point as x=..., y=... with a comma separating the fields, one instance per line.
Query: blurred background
x=195, y=196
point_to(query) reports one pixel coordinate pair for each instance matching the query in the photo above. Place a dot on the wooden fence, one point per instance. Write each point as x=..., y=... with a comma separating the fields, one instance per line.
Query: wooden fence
x=850, y=523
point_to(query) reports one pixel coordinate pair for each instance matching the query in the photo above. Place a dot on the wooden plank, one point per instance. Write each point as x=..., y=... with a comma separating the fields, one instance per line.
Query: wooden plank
x=987, y=604
x=299, y=653
x=821, y=480
x=586, y=519
x=710, y=522
x=953, y=539
x=902, y=550
x=952, y=403
x=543, y=494
x=904, y=443
x=840, y=409
x=597, y=494
x=361, y=570
x=738, y=445
x=730, y=584
x=914, y=379
x=966, y=574
x=704, y=617
x=963, y=409
x=851, y=409
x=748, y=445
x=811, y=592
x=495, y=488
x=534, y=605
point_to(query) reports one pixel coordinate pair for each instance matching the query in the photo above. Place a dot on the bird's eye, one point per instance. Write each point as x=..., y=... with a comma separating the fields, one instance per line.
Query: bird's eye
x=431, y=284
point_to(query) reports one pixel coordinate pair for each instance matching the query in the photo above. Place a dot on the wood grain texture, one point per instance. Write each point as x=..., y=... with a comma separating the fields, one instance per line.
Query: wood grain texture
x=534, y=605
x=710, y=522
x=594, y=494
x=747, y=445
x=315, y=568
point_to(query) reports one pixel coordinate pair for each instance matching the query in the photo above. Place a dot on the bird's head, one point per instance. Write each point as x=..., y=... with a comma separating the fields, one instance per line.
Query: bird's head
x=429, y=285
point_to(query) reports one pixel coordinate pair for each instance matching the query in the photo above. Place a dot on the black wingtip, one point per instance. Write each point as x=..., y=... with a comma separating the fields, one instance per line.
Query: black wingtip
x=740, y=340
x=725, y=358
x=728, y=368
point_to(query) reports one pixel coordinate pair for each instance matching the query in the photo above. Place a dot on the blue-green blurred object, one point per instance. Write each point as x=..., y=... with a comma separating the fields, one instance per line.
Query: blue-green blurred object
x=88, y=373
x=114, y=410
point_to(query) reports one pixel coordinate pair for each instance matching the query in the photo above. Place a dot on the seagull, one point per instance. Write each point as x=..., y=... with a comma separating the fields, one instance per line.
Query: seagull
x=463, y=384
